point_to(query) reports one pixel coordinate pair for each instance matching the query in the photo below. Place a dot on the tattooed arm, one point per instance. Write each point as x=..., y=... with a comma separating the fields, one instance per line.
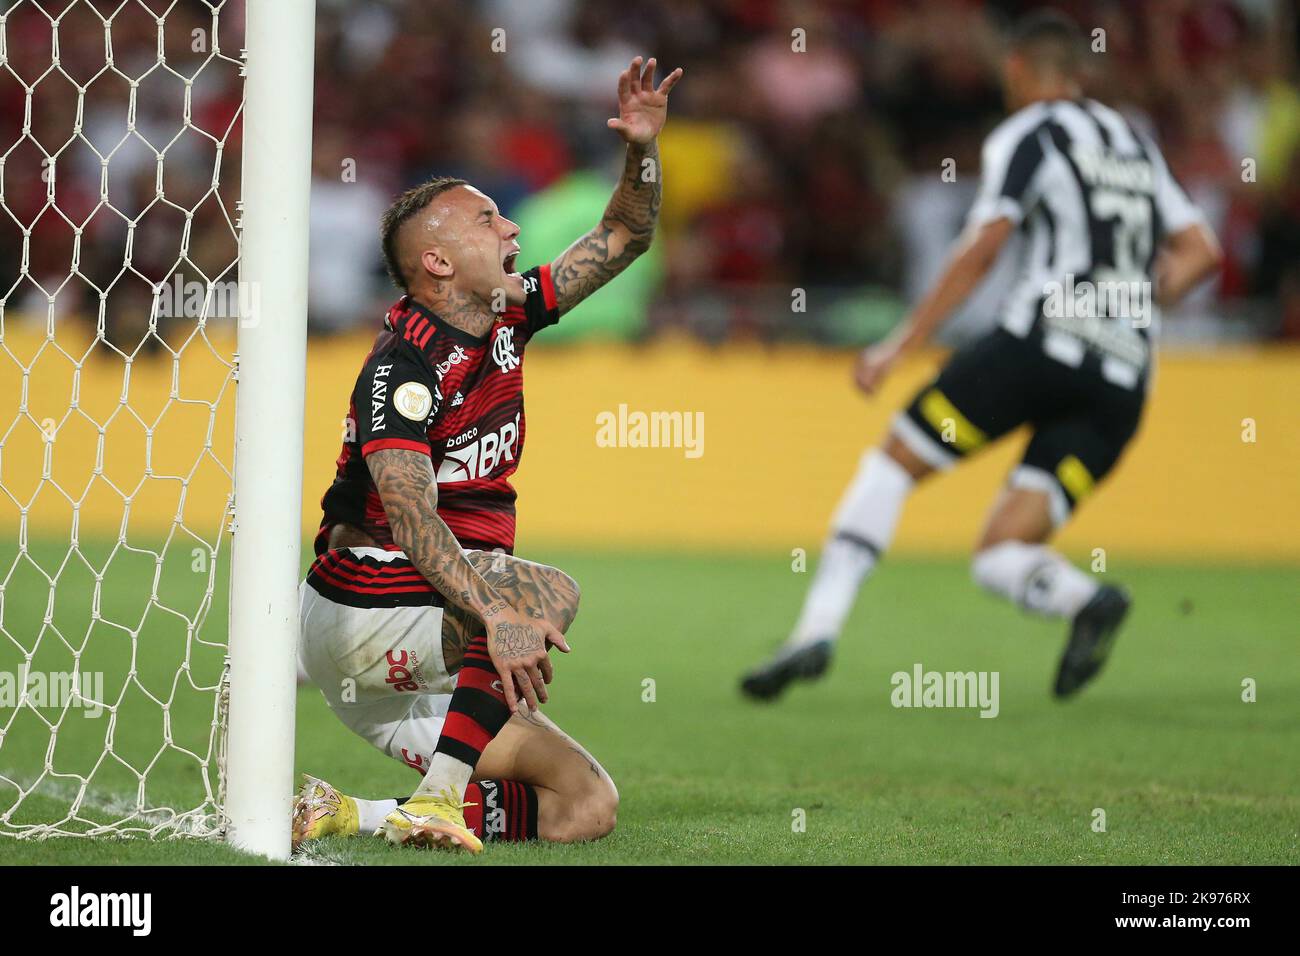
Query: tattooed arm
x=628, y=224
x=534, y=590
x=517, y=644
x=623, y=233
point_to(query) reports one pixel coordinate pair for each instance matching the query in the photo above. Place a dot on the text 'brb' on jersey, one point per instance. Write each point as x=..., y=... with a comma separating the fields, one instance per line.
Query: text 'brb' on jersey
x=430, y=387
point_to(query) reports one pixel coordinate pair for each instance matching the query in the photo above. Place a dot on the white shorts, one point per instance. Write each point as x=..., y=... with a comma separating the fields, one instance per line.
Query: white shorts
x=379, y=667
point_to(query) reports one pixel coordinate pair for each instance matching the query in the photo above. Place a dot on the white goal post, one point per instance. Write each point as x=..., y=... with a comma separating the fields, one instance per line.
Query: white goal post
x=147, y=411
x=269, y=423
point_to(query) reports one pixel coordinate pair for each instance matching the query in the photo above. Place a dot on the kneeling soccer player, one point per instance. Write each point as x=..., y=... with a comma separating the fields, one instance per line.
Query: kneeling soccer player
x=532, y=781
x=395, y=603
x=535, y=782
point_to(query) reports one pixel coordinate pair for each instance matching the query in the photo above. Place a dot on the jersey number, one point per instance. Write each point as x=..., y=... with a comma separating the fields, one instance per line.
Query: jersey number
x=1130, y=218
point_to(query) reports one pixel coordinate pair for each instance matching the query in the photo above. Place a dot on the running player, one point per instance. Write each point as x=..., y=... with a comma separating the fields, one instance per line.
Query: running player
x=1109, y=236
x=414, y=578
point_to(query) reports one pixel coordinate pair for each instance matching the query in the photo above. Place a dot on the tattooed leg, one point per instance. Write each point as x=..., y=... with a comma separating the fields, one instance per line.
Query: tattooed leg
x=533, y=782
x=576, y=799
x=478, y=710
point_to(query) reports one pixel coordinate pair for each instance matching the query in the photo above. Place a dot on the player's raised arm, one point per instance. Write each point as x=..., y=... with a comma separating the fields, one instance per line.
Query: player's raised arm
x=628, y=224
x=517, y=644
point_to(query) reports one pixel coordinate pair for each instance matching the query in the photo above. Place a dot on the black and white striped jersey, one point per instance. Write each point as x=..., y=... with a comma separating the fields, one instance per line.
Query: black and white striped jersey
x=1094, y=199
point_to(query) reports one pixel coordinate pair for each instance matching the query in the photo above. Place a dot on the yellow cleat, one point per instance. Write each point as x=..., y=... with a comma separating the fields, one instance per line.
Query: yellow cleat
x=319, y=810
x=431, y=821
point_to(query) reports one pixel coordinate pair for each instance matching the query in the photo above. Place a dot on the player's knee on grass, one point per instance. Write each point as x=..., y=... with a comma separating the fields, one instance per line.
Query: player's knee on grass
x=576, y=799
x=587, y=804
x=586, y=808
x=599, y=810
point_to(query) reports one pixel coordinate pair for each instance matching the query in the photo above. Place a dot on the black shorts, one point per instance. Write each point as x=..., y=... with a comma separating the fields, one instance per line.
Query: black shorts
x=1081, y=422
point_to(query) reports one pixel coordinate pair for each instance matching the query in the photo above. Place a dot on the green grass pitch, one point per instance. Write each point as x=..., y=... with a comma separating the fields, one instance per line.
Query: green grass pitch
x=1185, y=771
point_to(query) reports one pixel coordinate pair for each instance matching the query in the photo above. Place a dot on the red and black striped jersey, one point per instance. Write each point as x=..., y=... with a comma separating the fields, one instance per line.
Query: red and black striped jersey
x=430, y=387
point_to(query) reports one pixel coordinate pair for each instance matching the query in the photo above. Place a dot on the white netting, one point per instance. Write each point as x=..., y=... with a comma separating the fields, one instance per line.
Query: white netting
x=119, y=126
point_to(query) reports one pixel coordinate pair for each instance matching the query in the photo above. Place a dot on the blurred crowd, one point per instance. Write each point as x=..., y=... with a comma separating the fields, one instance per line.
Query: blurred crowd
x=804, y=155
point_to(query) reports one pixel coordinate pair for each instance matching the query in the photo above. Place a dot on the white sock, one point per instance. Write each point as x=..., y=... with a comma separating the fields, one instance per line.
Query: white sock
x=445, y=773
x=371, y=813
x=1035, y=577
x=862, y=529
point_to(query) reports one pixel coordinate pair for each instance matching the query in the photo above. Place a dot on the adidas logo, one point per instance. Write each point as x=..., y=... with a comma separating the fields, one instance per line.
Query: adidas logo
x=457, y=399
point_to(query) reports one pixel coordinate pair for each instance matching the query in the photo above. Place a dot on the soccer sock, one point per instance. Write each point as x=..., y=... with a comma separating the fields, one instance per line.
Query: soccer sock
x=1035, y=577
x=862, y=529
x=508, y=806
x=371, y=813
x=505, y=811
x=475, y=715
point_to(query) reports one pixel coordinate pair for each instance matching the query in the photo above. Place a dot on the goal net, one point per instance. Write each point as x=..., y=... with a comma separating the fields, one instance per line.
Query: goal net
x=120, y=330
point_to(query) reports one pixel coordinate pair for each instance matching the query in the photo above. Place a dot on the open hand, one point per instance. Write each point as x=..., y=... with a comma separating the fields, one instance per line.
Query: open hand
x=518, y=647
x=642, y=109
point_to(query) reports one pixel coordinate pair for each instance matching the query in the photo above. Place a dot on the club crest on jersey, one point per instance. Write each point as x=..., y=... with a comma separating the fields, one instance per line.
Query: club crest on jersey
x=503, y=349
x=412, y=400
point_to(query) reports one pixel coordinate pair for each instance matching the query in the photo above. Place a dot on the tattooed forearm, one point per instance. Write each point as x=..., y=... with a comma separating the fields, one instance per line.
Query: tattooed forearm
x=623, y=233
x=409, y=491
x=534, y=590
x=635, y=202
